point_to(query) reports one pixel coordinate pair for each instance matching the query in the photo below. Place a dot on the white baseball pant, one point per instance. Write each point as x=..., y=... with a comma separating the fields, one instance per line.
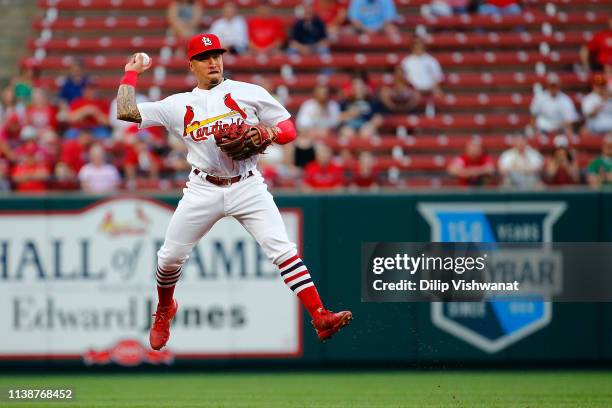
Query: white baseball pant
x=204, y=203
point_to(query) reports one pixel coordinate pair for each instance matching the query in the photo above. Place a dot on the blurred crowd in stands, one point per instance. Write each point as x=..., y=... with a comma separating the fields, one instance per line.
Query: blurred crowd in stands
x=69, y=138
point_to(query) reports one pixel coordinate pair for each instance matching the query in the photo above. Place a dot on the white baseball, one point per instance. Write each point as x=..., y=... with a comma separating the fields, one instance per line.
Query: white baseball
x=145, y=58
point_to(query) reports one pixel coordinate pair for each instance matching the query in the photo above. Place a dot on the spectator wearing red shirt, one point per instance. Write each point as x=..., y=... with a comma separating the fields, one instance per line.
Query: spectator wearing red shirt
x=266, y=32
x=323, y=173
x=30, y=174
x=597, y=54
x=74, y=154
x=41, y=114
x=31, y=137
x=88, y=113
x=138, y=158
x=46, y=142
x=11, y=122
x=6, y=152
x=474, y=167
x=10, y=134
x=562, y=165
x=365, y=176
x=11, y=130
x=499, y=7
x=333, y=14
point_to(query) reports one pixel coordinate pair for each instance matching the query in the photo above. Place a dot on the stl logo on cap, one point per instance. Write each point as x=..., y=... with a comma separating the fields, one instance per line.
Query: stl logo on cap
x=200, y=43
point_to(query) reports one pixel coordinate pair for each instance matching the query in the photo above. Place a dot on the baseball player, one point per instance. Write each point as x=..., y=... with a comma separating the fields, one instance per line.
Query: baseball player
x=225, y=124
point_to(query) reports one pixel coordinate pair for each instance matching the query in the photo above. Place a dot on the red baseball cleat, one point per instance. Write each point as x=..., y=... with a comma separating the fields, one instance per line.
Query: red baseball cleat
x=328, y=323
x=160, y=332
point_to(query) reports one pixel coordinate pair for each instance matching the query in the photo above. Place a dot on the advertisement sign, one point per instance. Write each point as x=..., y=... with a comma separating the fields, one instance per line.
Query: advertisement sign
x=493, y=325
x=82, y=284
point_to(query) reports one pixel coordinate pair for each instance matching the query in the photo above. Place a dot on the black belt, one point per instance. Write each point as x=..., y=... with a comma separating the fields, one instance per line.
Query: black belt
x=222, y=181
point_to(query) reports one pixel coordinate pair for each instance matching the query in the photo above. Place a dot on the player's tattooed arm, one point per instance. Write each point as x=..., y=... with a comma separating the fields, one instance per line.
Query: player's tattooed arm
x=126, y=96
x=126, y=104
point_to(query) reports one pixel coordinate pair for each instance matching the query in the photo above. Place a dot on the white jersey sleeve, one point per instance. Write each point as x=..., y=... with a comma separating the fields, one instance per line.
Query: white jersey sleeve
x=155, y=113
x=269, y=110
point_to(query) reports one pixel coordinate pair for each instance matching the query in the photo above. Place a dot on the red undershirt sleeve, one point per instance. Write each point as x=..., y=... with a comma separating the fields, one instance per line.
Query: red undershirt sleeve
x=287, y=132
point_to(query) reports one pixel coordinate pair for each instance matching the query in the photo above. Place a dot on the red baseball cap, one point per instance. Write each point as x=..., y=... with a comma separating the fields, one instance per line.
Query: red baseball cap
x=203, y=43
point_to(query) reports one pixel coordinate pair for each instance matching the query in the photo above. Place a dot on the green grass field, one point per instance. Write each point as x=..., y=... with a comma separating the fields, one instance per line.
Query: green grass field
x=361, y=389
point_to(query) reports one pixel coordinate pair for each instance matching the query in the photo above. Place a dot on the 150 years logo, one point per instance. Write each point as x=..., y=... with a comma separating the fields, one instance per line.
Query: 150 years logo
x=495, y=324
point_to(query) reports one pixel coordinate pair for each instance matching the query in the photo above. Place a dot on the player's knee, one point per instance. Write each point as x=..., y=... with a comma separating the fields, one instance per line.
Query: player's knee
x=284, y=255
x=171, y=258
x=170, y=263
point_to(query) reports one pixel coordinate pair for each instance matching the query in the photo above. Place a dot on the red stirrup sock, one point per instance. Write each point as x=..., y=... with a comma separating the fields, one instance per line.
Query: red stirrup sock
x=166, y=282
x=296, y=277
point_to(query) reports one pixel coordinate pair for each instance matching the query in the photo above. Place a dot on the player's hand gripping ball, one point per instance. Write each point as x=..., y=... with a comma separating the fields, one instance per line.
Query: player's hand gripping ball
x=139, y=62
x=243, y=141
x=146, y=60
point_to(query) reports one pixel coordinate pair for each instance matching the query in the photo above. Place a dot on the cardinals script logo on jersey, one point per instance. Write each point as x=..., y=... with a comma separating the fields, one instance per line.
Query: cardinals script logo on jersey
x=201, y=130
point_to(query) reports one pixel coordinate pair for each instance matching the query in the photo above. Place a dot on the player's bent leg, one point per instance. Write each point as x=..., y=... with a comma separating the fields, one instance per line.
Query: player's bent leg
x=295, y=275
x=297, y=278
x=258, y=213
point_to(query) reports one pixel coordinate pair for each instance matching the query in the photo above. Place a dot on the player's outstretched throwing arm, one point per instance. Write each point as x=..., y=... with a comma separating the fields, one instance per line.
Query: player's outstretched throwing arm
x=126, y=96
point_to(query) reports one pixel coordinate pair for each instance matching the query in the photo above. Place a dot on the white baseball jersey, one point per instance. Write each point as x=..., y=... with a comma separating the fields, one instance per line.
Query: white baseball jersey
x=195, y=116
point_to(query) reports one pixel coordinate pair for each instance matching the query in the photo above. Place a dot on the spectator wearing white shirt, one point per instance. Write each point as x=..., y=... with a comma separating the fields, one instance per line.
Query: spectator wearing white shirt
x=318, y=114
x=97, y=176
x=231, y=30
x=521, y=165
x=553, y=111
x=422, y=70
x=317, y=118
x=597, y=108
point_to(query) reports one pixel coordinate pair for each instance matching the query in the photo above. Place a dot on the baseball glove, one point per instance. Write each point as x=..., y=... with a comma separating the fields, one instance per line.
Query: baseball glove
x=243, y=141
